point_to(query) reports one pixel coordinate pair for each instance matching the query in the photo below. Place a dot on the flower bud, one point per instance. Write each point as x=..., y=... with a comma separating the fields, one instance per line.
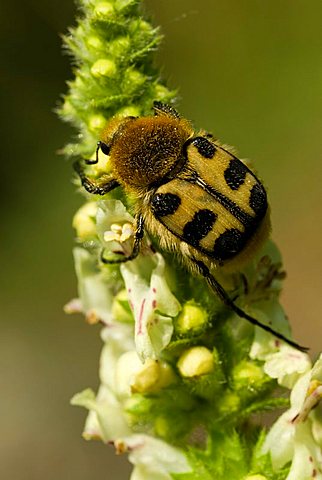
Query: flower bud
x=103, y=9
x=94, y=42
x=133, y=79
x=140, y=25
x=154, y=376
x=247, y=374
x=161, y=92
x=84, y=221
x=96, y=123
x=146, y=378
x=191, y=317
x=133, y=376
x=196, y=361
x=229, y=403
x=120, y=46
x=104, y=67
x=128, y=111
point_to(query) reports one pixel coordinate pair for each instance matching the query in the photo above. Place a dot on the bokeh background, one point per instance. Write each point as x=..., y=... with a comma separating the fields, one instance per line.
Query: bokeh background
x=250, y=72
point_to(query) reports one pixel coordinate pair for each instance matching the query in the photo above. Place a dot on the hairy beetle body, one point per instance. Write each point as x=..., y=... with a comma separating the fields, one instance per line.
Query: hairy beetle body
x=190, y=192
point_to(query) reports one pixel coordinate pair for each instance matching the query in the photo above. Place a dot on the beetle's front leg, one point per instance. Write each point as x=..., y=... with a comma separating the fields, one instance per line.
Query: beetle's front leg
x=91, y=186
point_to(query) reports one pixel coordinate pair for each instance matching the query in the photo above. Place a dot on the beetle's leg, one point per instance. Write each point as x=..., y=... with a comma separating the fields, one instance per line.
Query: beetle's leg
x=164, y=109
x=93, y=187
x=100, y=146
x=222, y=294
x=139, y=232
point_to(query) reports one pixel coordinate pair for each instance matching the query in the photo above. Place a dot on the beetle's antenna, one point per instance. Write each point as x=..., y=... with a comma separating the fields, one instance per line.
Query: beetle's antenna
x=165, y=109
x=222, y=294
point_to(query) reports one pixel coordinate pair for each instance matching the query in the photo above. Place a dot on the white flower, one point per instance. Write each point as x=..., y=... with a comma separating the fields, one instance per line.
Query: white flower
x=294, y=437
x=133, y=376
x=287, y=365
x=115, y=226
x=282, y=362
x=153, y=304
x=153, y=459
x=268, y=312
x=107, y=419
x=95, y=292
x=121, y=373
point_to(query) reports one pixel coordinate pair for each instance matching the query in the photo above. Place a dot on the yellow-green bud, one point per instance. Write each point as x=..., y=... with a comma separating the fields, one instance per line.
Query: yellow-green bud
x=84, y=221
x=146, y=378
x=133, y=79
x=166, y=375
x=191, y=317
x=129, y=111
x=104, y=67
x=94, y=42
x=229, y=402
x=153, y=376
x=247, y=372
x=120, y=46
x=161, y=92
x=196, y=361
x=141, y=26
x=96, y=123
x=119, y=311
x=103, y=9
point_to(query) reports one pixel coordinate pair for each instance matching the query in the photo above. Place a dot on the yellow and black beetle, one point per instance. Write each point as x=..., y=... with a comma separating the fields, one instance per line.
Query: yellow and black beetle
x=193, y=194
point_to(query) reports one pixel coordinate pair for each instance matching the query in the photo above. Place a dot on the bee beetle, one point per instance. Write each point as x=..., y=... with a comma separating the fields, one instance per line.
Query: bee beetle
x=194, y=195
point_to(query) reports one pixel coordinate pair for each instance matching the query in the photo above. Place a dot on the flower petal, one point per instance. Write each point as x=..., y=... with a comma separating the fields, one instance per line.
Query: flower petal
x=270, y=313
x=307, y=459
x=106, y=418
x=287, y=365
x=94, y=291
x=280, y=440
x=153, y=458
x=152, y=303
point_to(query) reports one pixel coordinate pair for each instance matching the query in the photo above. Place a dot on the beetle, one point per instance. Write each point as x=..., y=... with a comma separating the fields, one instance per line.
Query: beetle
x=191, y=192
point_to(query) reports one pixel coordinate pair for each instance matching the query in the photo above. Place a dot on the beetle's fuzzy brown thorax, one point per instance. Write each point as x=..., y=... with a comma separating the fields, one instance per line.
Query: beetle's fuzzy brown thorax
x=145, y=150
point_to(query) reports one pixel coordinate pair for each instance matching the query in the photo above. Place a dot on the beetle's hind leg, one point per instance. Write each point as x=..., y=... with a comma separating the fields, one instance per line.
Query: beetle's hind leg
x=138, y=236
x=222, y=294
x=91, y=186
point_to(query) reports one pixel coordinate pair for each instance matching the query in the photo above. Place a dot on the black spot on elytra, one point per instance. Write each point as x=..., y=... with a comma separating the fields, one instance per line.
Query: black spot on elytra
x=235, y=174
x=165, y=204
x=204, y=147
x=229, y=244
x=258, y=200
x=199, y=227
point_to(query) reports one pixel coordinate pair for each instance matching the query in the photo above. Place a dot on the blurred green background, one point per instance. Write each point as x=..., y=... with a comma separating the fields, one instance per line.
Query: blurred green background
x=249, y=71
